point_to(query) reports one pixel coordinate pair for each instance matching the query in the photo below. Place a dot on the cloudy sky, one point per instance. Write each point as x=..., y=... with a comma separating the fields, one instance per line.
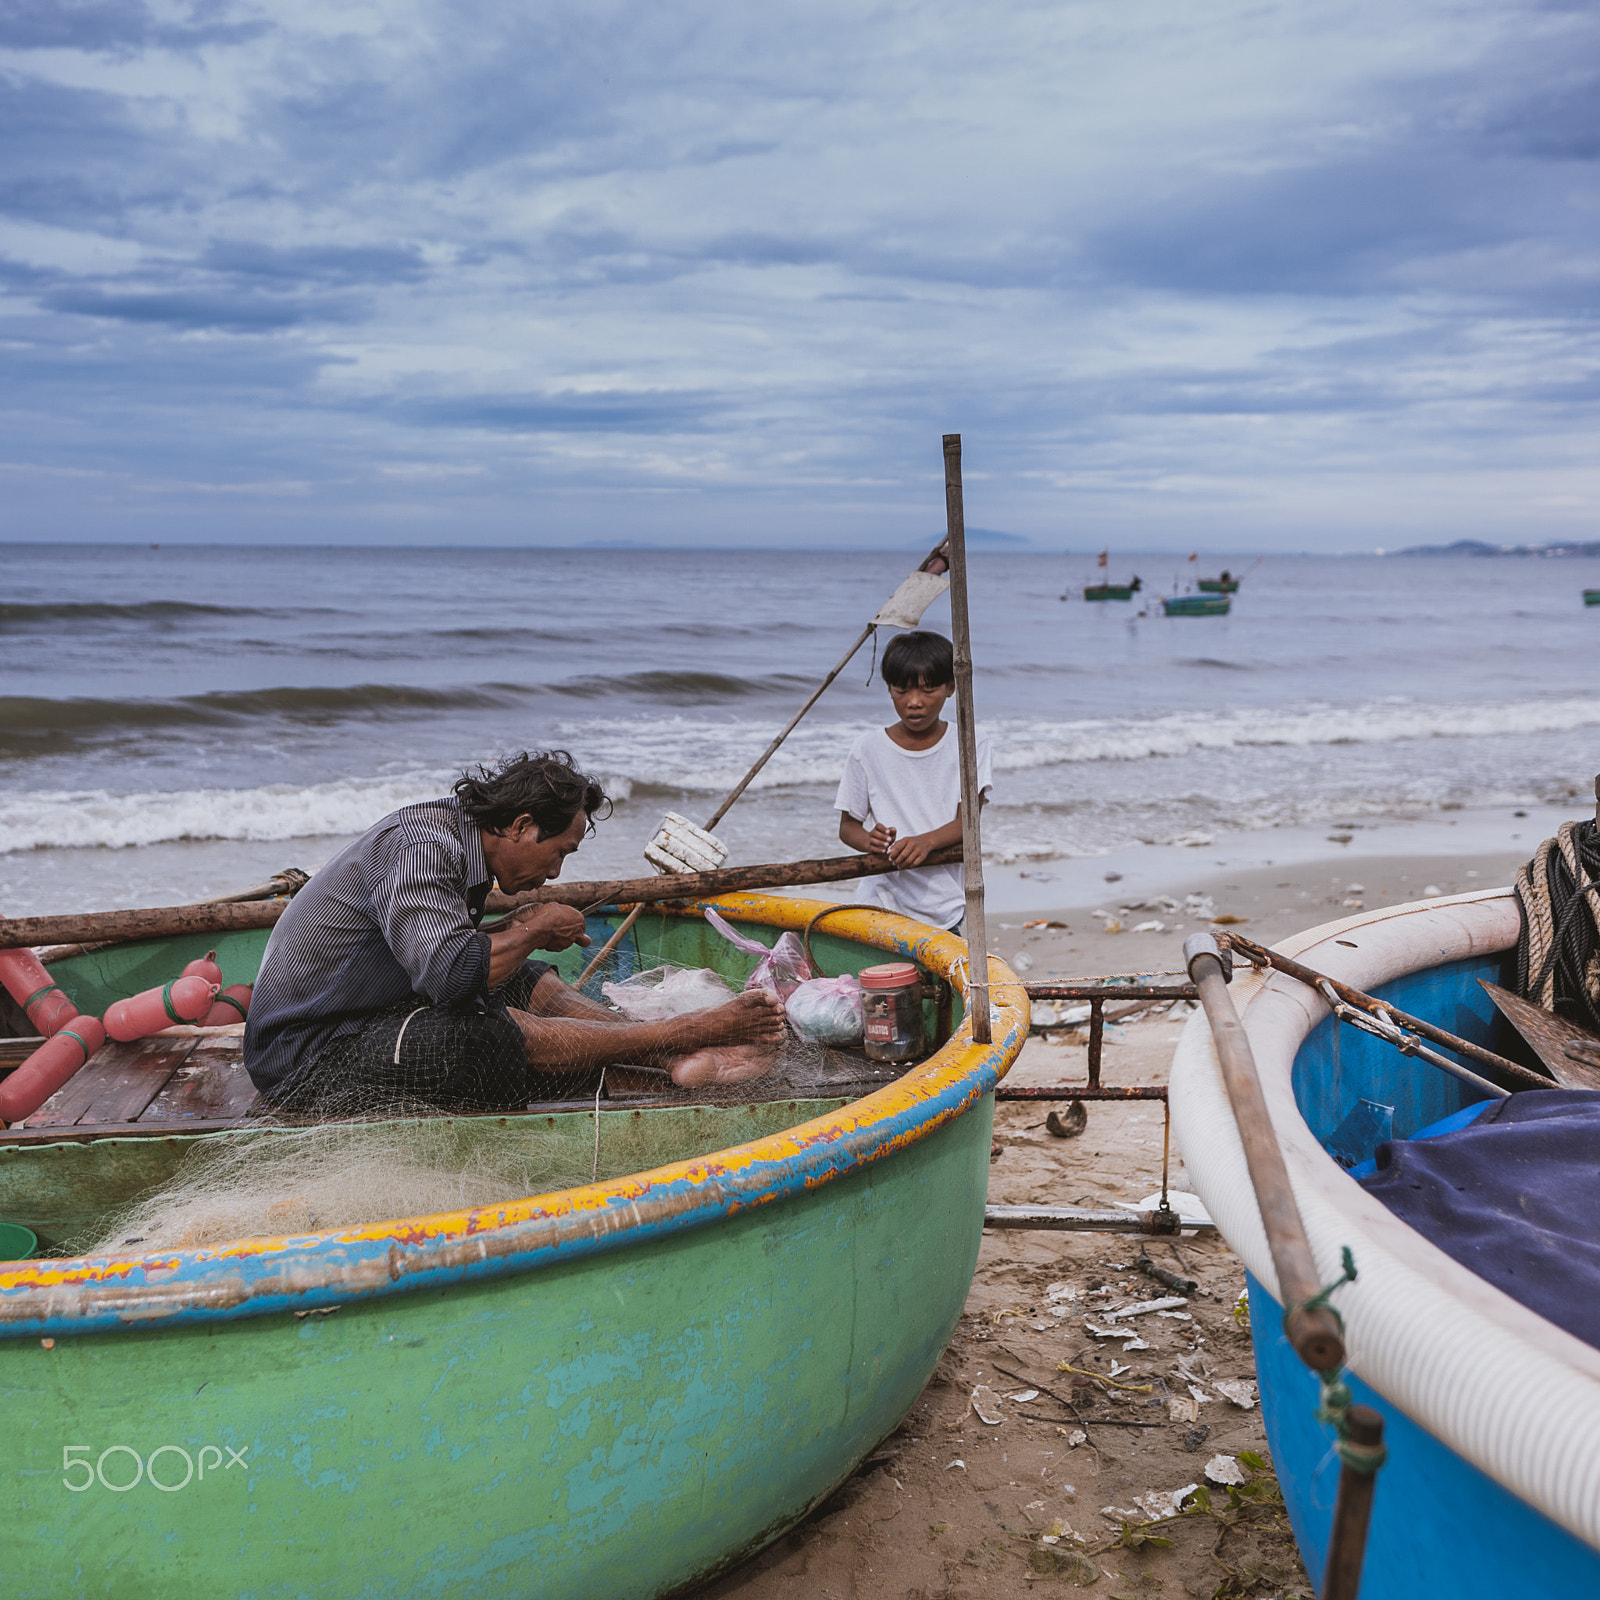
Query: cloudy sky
x=1241, y=275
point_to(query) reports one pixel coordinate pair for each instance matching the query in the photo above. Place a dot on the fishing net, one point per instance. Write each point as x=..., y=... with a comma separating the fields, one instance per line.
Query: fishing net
x=379, y=1138
x=276, y=1181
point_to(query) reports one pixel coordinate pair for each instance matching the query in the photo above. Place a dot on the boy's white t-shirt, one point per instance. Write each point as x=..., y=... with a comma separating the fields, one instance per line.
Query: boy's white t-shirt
x=911, y=791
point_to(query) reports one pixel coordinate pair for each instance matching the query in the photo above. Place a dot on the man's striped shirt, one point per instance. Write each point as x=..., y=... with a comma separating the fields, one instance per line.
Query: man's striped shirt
x=392, y=915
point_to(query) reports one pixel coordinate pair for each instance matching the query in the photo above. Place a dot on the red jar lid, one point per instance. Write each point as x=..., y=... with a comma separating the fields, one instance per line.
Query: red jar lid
x=891, y=975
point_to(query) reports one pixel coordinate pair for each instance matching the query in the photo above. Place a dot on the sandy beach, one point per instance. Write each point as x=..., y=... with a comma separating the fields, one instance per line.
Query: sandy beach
x=950, y=1506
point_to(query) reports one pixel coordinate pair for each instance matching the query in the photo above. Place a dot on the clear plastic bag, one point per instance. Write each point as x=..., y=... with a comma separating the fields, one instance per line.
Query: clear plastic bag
x=782, y=969
x=667, y=991
x=827, y=1010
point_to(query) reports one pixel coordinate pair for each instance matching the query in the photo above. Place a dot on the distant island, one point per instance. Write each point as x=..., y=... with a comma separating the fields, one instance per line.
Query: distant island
x=1477, y=547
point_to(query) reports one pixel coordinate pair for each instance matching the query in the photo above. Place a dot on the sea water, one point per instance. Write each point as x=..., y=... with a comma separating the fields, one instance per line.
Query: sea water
x=176, y=722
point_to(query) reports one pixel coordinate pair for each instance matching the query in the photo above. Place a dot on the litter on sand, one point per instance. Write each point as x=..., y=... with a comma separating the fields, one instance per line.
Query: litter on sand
x=1025, y=1396
x=986, y=1404
x=1225, y=1470
x=1241, y=1391
x=1171, y=1302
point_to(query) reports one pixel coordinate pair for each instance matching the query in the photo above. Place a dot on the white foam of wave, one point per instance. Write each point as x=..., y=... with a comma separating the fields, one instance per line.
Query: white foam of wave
x=699, y=756
x=85, y=819
x=703, y=756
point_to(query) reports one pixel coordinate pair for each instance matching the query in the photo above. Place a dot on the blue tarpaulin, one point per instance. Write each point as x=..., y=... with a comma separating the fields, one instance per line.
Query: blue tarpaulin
x=1514, y=1196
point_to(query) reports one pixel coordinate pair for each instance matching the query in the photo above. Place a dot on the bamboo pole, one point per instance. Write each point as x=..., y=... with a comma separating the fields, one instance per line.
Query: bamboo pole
x=967, y=736
x=156, y=922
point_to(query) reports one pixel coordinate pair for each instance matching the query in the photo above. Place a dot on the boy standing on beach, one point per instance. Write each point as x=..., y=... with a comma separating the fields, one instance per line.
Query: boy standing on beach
x=901, y=792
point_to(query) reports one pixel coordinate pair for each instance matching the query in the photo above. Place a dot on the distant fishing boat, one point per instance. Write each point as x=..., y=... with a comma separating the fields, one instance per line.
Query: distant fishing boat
x=1112, y=591
x=1226, y=583
x=1196, y=605
x=1109, y=591
x=1492, y=1483
x=621, y=1389
x=1591, y=597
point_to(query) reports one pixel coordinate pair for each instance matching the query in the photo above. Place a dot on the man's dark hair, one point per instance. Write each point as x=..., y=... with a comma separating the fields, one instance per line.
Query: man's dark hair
x=924, y=659
x=545, y=786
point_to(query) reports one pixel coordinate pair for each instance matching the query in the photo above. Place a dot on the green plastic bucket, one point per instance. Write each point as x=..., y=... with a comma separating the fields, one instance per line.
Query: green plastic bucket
x=16, y=1242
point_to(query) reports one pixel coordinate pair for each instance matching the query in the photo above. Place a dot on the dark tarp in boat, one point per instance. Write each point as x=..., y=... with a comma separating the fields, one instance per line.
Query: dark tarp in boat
x=1513, y=1196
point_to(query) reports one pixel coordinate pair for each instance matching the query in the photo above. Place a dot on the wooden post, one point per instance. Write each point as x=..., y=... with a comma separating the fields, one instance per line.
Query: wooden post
x=967, y=736
x=1352, y=1508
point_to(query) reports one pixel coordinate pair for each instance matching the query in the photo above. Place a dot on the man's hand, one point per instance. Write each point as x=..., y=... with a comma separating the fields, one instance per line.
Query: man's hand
x=880, y=842
x=911, y=851
x=550, y=927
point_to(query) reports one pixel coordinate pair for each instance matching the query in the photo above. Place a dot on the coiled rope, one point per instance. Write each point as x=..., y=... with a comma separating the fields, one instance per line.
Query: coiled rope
x=1558, y=950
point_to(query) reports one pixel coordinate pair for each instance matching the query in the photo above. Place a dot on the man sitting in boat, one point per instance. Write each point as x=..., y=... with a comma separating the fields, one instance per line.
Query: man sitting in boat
x=379, y=987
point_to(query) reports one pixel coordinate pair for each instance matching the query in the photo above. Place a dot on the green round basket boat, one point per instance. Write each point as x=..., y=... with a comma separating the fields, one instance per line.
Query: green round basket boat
x=617, y=1390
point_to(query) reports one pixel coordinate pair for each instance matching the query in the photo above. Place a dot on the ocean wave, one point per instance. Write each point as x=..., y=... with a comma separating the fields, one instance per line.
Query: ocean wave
x=31, y=725
x=680, y=687
x=667, y=759
x=682, y=754
x=37, y=613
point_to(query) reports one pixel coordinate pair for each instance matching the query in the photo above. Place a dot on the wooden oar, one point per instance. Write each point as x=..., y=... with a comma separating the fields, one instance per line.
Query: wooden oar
x=1571, y=1053
x=1312, y=1329
x=158, y=922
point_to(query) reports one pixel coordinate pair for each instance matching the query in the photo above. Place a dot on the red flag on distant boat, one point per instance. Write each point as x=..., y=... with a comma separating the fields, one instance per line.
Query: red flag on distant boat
x=1105, y=559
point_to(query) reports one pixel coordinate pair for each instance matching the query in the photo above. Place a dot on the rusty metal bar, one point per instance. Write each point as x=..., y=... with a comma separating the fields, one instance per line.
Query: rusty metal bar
x=1080, y=1219
x=1097, y=1039
x=1081, y=1091
x=1098, y=989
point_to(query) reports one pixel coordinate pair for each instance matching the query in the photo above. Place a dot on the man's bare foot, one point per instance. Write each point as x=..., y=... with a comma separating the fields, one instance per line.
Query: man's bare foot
x=727, y=1063
x=755, y=1017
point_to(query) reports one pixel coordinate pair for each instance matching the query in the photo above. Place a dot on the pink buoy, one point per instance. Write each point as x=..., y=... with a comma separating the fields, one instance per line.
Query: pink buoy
x=182, y=1000
x=231, y=1006
x=41, y=998
x=49, y=1067
x=204, y=967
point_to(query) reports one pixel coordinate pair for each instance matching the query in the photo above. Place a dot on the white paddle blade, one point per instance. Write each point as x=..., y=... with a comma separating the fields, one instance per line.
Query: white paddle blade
x=679, y=846
x=904, y=608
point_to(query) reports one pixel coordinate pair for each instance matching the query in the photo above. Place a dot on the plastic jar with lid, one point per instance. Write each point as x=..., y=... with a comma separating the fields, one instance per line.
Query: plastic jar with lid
x=891, y=1006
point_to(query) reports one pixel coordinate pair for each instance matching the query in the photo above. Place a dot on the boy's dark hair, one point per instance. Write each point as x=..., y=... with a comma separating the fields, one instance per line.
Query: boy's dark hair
x=545, y=786
x=924, y=659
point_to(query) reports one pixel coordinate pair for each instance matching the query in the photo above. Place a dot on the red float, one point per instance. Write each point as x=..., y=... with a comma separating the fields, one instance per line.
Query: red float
x=204, y=967
x=231, y=1006
x=182, y=1000
x=41, y=998
x=48, y=1068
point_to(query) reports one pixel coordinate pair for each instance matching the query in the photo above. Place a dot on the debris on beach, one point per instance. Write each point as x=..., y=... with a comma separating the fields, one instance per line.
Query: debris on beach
x=986, y=1405
x=1224, y=1470
x=1241, y=1391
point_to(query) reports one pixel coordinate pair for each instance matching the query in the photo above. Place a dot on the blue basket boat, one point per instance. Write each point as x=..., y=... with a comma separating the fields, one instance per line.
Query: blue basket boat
x=1492, y=1486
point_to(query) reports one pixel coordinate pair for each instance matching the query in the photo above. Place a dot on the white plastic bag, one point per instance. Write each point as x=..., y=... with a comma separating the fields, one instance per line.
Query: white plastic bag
x=827, y=1010
x=667, y=991
x=781, y=969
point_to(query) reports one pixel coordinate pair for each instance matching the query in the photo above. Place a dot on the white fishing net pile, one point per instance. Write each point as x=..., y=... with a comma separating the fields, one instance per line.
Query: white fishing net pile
x=337, y=1175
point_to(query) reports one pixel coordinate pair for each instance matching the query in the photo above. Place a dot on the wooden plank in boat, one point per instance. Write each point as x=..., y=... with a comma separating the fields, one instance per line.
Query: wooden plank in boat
x=211, y=1084
x=115, y=1084
x=82, y=1132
